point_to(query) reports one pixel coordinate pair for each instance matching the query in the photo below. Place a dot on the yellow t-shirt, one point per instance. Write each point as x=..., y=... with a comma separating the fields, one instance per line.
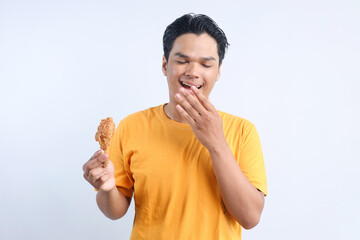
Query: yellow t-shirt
x=170, y=173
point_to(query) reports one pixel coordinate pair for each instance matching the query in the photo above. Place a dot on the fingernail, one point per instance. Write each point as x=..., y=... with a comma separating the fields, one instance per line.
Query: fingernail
x=178, y=96
x=97, y=153
x=104, y=156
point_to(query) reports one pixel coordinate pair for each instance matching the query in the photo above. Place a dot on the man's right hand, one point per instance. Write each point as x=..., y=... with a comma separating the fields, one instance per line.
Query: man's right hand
x=100, y=177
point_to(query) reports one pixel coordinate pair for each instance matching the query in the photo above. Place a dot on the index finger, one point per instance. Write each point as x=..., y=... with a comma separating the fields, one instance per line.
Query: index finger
x=96, y=160
x=203, y=100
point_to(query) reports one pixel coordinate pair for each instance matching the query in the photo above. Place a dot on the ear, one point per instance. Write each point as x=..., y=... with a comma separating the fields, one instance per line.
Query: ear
x=219, y=72
x=164, y=65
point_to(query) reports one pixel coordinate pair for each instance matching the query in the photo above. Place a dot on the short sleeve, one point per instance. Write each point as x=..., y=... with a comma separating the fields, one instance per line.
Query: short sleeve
x=250, y=157
x=123, y=177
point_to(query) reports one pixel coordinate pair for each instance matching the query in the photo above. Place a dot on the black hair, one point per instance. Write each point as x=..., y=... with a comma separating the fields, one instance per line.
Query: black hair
x=197, y=24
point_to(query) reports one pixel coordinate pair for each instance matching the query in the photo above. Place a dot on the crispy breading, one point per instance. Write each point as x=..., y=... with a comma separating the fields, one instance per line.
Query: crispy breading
x=104, y=134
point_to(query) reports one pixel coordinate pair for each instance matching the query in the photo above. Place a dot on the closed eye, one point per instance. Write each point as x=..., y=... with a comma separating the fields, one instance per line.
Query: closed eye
x=181, y=62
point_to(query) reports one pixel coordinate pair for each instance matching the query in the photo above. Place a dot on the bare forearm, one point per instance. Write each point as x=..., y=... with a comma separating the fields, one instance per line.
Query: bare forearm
x=113, y=204
x=241, y=198
x=243, y=201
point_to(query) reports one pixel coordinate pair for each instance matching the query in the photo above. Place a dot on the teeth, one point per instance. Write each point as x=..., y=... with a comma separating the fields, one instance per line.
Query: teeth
x=198, y=87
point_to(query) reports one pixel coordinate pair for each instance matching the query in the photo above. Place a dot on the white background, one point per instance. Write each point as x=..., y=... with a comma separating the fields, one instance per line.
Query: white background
x=293, y=69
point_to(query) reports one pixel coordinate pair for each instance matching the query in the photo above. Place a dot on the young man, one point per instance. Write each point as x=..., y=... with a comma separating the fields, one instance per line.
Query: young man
x=195, y=172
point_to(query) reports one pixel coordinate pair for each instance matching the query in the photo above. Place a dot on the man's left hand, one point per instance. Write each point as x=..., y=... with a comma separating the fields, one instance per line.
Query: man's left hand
x=202, y=116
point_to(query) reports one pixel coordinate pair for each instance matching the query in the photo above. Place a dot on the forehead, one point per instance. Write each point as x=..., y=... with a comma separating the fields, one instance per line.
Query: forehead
x=195, y=46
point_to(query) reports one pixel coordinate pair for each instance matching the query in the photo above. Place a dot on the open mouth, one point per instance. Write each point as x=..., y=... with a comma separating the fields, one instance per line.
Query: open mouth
x=188, y=86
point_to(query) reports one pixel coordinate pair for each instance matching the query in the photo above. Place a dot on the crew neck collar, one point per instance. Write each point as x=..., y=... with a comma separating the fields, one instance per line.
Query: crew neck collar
x=171, y=122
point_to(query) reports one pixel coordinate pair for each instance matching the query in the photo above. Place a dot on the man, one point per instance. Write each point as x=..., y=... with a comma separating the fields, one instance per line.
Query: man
x=195, y=172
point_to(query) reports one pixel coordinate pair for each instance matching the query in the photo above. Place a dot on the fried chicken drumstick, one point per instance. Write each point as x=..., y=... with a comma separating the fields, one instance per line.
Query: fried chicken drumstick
x=104, y=134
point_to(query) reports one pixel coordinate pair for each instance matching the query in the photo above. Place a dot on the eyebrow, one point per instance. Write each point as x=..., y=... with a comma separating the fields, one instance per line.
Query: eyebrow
x=202, y=58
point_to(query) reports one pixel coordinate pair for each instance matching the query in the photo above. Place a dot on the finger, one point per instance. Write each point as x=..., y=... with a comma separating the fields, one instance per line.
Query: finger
x=102, y=180
x=95, y=174
x=109, y=166
x=187, y=107
x=193, y=100
x=105, y=177
x=97, y=161
x=202, y=99
x=92, y=157
x=185, y=115
x=96, y=154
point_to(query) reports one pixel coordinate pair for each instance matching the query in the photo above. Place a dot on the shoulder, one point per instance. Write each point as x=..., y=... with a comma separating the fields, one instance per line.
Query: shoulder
x=235, y=121
x=141, y=115
x=136, y=123
x=141, y=119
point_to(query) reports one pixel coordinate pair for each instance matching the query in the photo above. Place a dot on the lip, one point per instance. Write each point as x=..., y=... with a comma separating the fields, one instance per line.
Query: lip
x=188, y=85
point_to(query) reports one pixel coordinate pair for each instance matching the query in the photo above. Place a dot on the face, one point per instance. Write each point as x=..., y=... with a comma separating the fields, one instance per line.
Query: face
x=193, y=61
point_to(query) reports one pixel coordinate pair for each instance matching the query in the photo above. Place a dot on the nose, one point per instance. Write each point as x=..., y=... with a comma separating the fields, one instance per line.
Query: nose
x=192, y=70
